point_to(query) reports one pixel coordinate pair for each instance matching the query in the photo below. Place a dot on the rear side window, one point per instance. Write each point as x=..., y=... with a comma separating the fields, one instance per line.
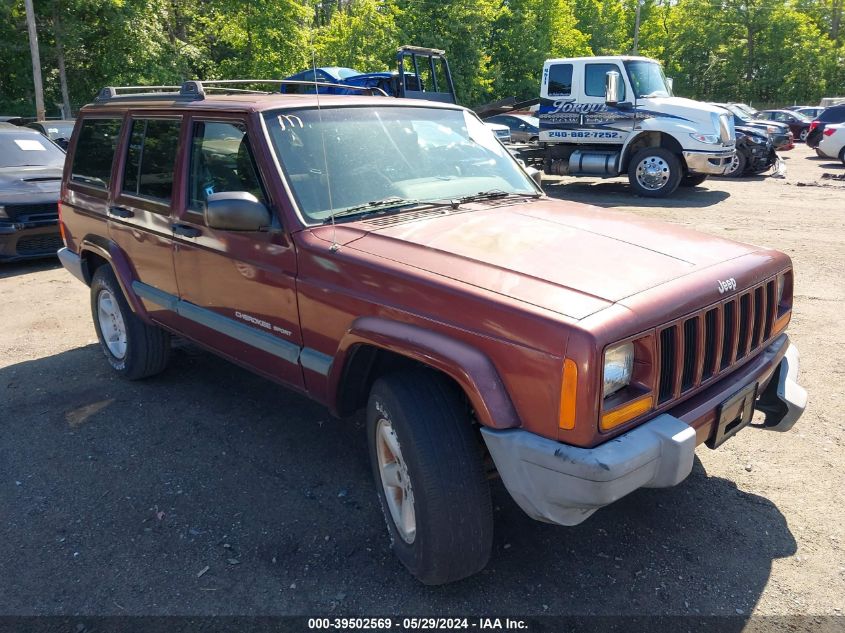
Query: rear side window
x=836, y=114
x=595, y=77
x=151, y=158
x=94, y=152
x=560, y=80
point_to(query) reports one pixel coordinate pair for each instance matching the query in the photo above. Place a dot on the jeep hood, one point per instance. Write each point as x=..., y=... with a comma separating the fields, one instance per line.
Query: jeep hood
x=569, y=258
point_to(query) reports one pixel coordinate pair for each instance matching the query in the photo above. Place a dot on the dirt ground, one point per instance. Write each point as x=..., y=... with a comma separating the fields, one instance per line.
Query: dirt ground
x=115, y=496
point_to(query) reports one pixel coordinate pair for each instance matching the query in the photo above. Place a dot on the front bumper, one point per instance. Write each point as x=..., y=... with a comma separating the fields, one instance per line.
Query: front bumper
x=29, y=240
x=564, y=484
x=714, y=163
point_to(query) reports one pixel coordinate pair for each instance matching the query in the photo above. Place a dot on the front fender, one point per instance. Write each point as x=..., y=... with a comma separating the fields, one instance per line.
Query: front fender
x=471, y=369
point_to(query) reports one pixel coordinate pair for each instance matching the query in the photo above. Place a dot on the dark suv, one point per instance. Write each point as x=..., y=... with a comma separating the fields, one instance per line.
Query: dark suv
x=831, y=115
x=391, y=255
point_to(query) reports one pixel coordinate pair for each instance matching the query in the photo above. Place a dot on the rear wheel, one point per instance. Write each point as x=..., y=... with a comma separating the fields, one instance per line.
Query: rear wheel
x=842, y=155
x=654, y=172
x=429, y=473
x=803, y=135
x=693, y=180
x=133, y=348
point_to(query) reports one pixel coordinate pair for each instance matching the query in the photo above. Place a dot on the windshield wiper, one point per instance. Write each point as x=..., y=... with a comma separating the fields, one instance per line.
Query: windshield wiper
x=385, y=204
x=493, y=194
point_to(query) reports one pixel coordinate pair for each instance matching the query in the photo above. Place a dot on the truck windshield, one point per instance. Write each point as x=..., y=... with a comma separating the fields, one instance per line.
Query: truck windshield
x=647, y=79
x=340, y=158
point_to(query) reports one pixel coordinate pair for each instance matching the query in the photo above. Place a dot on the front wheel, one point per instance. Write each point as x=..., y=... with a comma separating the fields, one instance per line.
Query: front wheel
x=693, y=180
x=655, y=172
x=133, y=348
x=737, y=166
x=429, y=473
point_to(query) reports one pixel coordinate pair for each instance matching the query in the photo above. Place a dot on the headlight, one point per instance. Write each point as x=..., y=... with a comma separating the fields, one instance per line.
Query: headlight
x=706, y=138
x=771, y=129
x=618, y=367
x=3, y=212
x=781, y=285
x=757, y=140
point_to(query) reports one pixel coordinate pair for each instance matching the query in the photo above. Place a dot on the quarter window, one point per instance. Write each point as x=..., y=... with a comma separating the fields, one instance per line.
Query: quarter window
x=94, y=154
x=221, y=160
x=560, y=80
x=595, y=76
x=151, y=158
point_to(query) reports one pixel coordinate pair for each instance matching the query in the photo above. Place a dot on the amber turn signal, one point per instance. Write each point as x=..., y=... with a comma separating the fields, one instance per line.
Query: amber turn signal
x=568, y=391
x=626, y=412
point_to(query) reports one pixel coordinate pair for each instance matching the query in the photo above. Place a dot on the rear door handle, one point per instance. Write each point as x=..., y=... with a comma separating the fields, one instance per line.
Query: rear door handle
x=121, y=212
x=185, y=230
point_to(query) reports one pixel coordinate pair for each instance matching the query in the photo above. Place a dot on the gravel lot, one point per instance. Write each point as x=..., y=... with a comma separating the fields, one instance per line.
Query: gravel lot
x=114, y=496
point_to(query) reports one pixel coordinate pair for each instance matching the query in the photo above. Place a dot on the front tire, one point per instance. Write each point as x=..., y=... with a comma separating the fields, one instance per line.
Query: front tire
x=654, y=172
x=737, y=167
x=429, y=473
x=133, y=348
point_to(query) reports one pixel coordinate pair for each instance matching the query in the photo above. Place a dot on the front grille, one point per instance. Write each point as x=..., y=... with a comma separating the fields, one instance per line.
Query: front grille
x=700, y=346
x=39, y=244
x=19, y=211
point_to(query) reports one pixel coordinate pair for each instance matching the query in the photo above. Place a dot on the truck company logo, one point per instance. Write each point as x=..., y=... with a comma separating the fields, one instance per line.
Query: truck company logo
x=728, y=284
x=570, y=105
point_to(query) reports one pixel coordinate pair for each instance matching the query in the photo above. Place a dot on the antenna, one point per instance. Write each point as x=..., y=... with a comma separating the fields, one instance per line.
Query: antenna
x=335, y=246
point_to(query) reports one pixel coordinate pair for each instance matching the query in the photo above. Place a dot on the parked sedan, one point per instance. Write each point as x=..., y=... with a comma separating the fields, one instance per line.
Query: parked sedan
x=779, y=133
x=524, y=127
x=30, y=175
x=832, y=144
x=810, y=112
x=831, y=115
x=57, y=131
x=798, y=124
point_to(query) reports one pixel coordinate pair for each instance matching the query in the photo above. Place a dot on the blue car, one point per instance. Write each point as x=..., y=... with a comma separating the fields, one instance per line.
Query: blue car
x=326, y=74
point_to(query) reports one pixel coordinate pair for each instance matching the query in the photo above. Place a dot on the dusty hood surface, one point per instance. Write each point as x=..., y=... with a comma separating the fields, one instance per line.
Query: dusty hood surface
x=572, y=259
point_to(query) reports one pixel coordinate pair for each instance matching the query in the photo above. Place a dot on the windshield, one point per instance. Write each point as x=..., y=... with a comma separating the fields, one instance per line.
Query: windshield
x=737, y=112
x=29, y=149
x=647, y=79
x=57, y=130
x=339, y=158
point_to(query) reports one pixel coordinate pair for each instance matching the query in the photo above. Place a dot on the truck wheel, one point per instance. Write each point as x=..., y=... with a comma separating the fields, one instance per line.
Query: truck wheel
x=430, y=478
x=133, y=348
x=654, y=172
x=693, y=180
x=737, y=166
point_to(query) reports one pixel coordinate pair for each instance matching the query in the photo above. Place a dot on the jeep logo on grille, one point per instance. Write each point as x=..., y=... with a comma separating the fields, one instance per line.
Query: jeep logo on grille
x=728, y=284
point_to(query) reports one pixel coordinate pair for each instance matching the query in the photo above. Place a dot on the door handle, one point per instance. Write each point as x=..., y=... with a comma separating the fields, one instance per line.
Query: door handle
x=121, y=212
x=185, y=230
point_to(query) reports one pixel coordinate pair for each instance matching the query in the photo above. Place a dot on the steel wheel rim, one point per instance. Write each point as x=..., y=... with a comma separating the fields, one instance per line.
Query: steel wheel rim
x=395, y=481
x=112, y=327
x=653, y=173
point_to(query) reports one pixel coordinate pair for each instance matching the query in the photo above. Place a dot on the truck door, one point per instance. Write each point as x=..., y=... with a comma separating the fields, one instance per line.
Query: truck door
x=236, y=288
x=601, y=123
x=139, y=211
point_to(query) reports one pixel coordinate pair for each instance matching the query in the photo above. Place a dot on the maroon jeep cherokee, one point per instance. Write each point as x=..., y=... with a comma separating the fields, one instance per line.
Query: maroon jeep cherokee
x=391, y=256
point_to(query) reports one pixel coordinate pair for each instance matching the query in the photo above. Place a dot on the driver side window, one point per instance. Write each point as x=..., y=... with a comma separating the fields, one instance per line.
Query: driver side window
x=221, y=160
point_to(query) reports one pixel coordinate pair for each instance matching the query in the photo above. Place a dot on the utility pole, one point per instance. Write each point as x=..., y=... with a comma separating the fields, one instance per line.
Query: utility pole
x=36, y=61
x=637, y=29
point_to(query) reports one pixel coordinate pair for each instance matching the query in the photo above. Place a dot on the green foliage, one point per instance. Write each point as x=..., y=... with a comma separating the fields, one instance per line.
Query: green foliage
x=762, y=51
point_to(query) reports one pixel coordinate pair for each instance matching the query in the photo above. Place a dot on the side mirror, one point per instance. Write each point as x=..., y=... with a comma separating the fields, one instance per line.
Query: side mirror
x=612, y=88
x=670, y=83
x=236, y=211
x=536, y=175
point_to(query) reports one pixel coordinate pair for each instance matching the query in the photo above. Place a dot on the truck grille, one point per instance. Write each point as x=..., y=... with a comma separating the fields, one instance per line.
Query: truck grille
x=696, y=348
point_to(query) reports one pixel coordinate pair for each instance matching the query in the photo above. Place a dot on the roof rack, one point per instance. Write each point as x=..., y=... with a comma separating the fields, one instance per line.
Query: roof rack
x=195, y=90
